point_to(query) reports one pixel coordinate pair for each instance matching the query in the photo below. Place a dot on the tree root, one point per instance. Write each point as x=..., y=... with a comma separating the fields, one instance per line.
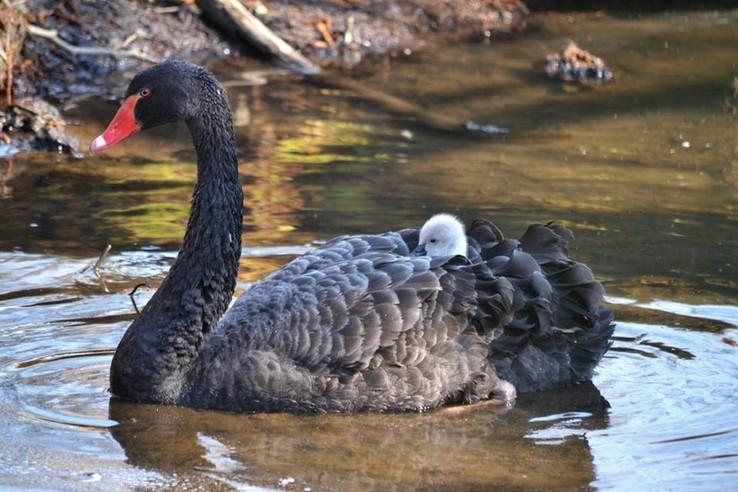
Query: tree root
x=53, y=36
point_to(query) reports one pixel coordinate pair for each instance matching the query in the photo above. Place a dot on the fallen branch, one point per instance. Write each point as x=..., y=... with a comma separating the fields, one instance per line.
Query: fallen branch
x=234, y=18
x=53, y=36
x=426, y=117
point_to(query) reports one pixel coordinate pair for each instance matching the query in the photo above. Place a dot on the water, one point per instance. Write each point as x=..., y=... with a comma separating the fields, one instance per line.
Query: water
x=645, y=171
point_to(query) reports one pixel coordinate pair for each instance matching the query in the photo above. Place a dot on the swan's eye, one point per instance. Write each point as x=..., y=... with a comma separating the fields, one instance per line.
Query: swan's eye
x=145, y=93
x=433, y=240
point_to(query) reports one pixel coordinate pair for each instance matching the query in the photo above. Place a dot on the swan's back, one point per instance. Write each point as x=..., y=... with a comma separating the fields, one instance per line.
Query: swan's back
x=356, y=324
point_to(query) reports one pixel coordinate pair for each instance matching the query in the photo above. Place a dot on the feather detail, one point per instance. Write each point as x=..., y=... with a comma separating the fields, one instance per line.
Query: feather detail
x=359, y=324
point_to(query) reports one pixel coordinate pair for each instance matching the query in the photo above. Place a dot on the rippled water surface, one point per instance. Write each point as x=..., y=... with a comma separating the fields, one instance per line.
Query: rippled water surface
x=644, y=170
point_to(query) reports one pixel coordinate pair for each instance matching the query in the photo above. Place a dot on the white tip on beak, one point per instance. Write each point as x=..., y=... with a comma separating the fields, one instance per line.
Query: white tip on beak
x=97, y=144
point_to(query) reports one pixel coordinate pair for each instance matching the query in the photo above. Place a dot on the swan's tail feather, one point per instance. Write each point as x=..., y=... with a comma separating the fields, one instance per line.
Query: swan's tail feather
x=547, y=243
x=485, y=233
x=591, y=345
x=578, y=295
x=559, y=332
x=539, y=311
x=556, y=359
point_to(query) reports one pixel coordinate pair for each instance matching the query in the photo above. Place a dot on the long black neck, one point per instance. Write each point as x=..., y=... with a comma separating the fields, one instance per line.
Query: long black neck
x=160, y=346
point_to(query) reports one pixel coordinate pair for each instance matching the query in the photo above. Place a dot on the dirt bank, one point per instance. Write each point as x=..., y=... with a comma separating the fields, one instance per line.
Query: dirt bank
x=344, y=31
x=47, y=69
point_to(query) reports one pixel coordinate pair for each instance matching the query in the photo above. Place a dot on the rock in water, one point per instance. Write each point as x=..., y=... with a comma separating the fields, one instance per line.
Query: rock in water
x=573, y=64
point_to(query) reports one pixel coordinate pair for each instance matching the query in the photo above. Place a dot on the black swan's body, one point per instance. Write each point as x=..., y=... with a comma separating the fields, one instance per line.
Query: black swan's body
x=358, y=324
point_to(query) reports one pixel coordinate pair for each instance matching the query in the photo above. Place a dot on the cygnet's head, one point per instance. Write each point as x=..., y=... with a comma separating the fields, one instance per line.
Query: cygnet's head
x=442, y=235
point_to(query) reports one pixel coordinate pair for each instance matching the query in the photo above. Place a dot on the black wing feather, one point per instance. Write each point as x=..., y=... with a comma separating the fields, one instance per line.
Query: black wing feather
x=357, y=324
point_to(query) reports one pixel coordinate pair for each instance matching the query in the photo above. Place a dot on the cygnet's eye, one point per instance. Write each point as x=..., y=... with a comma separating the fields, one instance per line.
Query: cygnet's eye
x=433, y=240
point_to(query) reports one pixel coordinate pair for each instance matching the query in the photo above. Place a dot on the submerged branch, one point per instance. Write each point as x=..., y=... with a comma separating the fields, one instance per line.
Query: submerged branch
x=426, y=117
x=133, y=293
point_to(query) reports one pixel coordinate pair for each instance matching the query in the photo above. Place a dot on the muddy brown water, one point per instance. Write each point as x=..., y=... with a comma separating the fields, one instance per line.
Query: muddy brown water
x=644, y=170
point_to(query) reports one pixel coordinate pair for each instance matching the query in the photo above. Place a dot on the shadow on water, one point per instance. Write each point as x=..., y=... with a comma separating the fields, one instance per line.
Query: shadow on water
x=629, y=7
x=644, y=170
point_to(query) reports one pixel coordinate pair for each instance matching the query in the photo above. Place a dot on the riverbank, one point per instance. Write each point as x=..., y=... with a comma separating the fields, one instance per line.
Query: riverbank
x=62, y=52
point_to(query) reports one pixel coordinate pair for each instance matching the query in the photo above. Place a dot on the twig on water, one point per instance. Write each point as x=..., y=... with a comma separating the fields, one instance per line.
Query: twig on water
x=96, y=267
x=53, y=36
x=101, y=259
x=133, y=293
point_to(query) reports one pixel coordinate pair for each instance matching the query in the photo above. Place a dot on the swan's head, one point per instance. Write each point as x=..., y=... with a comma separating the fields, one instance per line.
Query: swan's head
x=442, y=235
x=165, y=93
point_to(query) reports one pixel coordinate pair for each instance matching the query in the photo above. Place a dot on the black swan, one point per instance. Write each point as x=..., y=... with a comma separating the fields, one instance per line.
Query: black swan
x=358, y=324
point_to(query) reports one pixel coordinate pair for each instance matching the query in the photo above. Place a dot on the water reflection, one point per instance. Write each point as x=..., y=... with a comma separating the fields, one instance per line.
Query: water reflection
x=477, y=451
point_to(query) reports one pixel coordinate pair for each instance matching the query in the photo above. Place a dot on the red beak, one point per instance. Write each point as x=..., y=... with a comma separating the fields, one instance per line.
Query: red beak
x=123, y=126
